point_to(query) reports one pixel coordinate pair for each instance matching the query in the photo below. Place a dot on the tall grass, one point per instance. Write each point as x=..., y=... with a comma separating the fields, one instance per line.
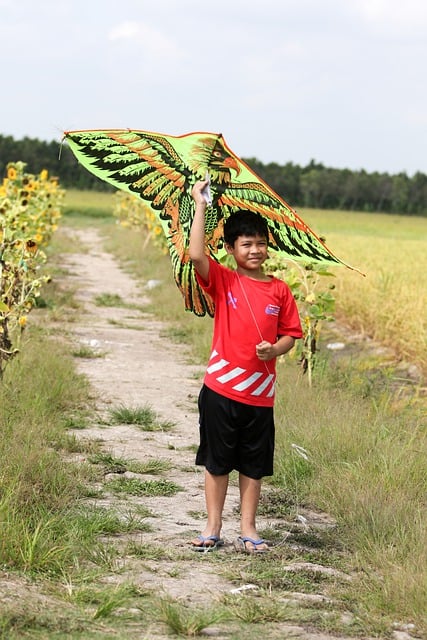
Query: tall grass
x=39, y=391
x=366, y=468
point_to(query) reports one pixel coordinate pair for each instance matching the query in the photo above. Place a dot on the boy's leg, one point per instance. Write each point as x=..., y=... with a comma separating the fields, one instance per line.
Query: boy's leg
x=250, y=491
x=215, y=493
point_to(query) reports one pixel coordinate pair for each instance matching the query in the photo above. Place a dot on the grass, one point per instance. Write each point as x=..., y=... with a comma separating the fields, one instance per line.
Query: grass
x=86, y=352
x=188, y=621
x=257, y=610
x=147, y=551
x=280, y=577
x=109, y=300
x=112, y=464
x=88, y=205
x=153, y=466
x=108, y=521
x=366, y=469
x=106, y=601
x=143, y=416
x=149, y=488
x=37, y=487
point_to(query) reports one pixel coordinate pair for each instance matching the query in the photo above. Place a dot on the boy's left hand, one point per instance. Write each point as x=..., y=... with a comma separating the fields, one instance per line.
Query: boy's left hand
x=265, y=350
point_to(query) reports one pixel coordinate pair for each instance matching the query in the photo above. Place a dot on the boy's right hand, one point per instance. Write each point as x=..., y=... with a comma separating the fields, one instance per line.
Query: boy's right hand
x=197, y=194
x=196, y=247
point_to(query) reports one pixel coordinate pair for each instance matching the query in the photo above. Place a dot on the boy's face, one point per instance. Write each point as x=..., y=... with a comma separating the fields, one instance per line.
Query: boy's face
x=249, y=252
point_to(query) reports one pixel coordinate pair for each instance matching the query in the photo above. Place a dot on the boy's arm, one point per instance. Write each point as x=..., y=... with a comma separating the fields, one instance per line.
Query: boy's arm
x=197, y=250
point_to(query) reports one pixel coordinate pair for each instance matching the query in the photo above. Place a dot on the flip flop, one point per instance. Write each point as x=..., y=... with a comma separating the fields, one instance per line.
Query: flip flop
x=240, y=545
x=205, y=548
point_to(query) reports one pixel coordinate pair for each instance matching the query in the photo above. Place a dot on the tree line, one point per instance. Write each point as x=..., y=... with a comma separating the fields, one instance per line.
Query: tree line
x=314, y=185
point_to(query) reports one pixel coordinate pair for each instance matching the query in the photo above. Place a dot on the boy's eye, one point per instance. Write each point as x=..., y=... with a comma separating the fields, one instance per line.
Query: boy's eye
x=255, y=244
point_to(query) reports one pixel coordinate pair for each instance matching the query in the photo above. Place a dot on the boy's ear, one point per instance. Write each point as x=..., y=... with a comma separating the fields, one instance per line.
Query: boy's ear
x=229, y=249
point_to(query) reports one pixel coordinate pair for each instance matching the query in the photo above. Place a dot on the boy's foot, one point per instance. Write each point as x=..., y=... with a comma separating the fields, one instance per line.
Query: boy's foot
x=246, y=544
x=206, y=543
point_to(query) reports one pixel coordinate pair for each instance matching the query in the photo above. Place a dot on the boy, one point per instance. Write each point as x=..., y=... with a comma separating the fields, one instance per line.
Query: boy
x=256, y=320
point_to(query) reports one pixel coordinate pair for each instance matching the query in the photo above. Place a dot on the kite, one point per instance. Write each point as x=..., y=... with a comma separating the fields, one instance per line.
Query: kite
x=162, y=169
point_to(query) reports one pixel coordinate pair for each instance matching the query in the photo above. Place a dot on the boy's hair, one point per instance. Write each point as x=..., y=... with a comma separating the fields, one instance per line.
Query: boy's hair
x=244, y=223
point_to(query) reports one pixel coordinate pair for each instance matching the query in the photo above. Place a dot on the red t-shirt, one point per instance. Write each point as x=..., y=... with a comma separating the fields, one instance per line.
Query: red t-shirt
x=247, y=311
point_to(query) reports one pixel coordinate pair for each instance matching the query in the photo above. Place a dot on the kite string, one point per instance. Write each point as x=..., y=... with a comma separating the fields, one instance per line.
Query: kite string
x=253, y=316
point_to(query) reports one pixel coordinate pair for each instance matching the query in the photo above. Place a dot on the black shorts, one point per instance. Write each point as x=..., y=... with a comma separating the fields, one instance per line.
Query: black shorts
x=234, y=435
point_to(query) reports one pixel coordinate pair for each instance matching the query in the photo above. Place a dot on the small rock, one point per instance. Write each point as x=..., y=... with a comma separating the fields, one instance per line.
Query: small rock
x=404, y=626
x=132, y=474
x=402, y=635
x=335, y=346
x=152, y=284
x=212, y=632
x=244, y=587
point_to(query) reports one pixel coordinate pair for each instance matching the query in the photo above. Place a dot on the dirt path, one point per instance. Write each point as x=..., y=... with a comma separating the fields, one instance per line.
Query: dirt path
x=140, y=367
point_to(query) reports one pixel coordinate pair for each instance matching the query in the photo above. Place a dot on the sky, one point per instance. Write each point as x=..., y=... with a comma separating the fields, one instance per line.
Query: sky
x=341, y=82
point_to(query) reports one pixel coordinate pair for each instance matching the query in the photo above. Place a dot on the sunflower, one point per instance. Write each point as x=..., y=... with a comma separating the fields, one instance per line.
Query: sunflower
x=11, y=173
x=31, y=246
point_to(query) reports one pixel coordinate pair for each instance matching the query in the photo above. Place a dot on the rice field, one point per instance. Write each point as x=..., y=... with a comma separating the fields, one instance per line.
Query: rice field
x=389, y=303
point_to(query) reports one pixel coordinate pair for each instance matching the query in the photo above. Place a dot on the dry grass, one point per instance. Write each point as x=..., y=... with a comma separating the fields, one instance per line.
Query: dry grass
x=390, y=303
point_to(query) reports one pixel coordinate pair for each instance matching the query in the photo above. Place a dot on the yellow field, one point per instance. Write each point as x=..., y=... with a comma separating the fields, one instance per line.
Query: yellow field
x=390, y=303
x=91, y=203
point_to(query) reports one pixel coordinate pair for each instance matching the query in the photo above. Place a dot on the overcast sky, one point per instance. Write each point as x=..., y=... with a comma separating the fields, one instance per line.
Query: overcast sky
x=342, y=82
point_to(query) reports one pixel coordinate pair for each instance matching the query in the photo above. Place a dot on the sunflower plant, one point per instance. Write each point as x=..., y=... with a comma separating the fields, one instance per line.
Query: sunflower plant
x=133, y=213
x=315, y=300
x=30, y=207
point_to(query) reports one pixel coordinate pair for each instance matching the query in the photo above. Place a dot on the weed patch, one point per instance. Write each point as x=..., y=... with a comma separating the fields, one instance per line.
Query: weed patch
x=151, y=552
x=256, y=610
x=110, y=464
x=86, y=352
x=188, y=621
x=144, y=417
x=136, y=487
x=109, y=300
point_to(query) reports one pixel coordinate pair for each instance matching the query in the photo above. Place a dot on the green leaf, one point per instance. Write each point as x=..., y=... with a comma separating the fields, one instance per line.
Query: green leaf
x=322, y=270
